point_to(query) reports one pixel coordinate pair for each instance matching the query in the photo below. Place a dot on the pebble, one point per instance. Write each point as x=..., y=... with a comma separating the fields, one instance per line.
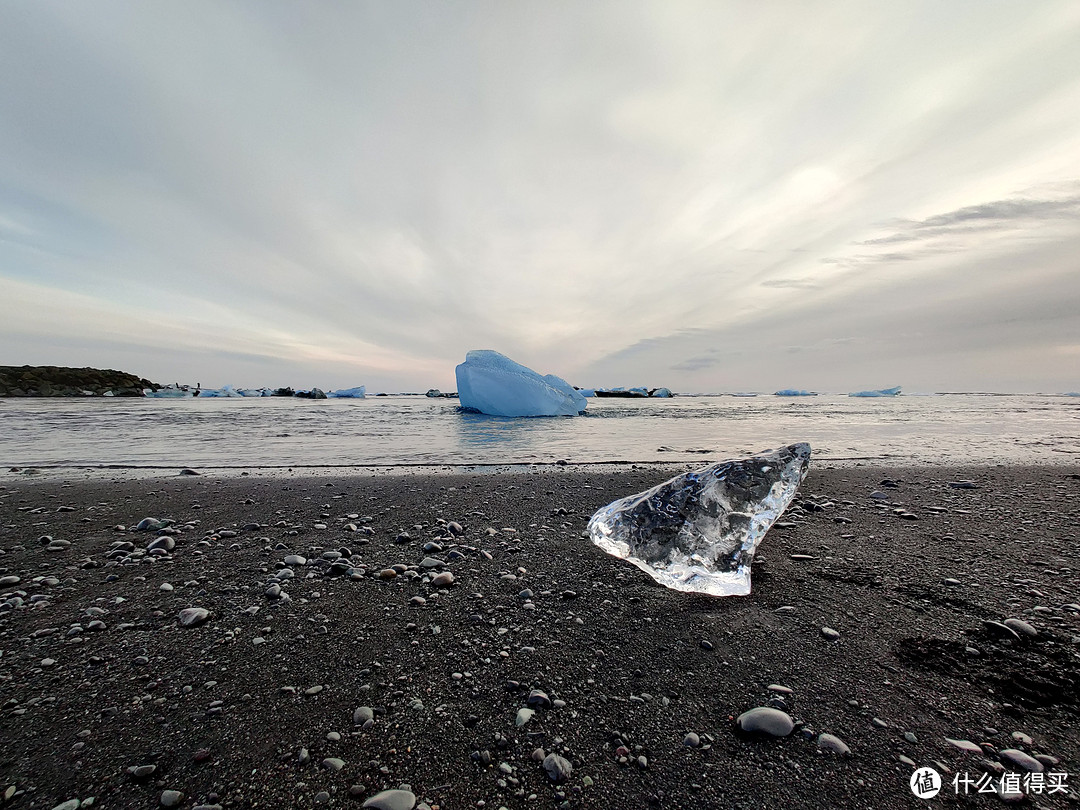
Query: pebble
x=193, y=617
x=830, y=742
x=392, y=800
x=443, y=580
x=362, y=715
x=334, y=764
x=295, y=559
x=691, y=740
x=766, y=721
x=1019, y=759
x=830, y=634
x=70, y=804
x=171, y=798
x=523, y=717
x=967, y=746
x=1021, y=628
x=557, y=768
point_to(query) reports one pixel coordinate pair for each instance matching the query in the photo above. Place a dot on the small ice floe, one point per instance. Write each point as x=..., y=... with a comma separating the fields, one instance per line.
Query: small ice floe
x=881, y=392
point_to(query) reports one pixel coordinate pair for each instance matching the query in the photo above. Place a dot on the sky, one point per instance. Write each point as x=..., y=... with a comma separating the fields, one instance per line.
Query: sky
x=715, y=196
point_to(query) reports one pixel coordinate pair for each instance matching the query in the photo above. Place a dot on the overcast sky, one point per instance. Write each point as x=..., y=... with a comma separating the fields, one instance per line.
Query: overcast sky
x=715, y=196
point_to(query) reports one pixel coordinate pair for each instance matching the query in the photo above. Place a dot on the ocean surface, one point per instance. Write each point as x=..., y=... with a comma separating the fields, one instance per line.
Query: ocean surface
x=416, y=430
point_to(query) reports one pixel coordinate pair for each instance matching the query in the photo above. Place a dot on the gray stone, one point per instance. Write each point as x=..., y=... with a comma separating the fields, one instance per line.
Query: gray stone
x=765, y=720
x=830, y=634
x=1018, y=759
x=829, y=742
x=967, y=746
x=193, y=617
x=557, y=768
x=171, y=798
x=1021, y=628
x=442, y=580
x=392, y=800
x=362, y=714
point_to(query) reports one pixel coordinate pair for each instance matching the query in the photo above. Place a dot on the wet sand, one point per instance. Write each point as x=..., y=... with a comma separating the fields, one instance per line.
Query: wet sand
x=255, y=706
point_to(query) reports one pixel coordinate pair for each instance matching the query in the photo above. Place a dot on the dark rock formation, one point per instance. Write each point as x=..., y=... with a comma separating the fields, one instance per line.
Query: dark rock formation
x=59, y=381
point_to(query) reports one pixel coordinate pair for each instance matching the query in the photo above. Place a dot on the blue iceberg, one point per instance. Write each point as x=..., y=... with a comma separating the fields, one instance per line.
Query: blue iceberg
x=360, y=392
x=794, y=392
x=882, y=392
x=491, y=383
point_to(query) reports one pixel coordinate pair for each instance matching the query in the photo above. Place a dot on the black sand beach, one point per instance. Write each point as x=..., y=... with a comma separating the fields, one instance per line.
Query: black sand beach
x=255, y=706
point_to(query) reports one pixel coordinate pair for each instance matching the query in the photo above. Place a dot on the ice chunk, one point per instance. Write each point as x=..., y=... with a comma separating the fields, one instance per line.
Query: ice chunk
x=359, y=392
x=662, y=393
x=884, y=392
x=795, y=392
x=698, y=531
x=494, y=384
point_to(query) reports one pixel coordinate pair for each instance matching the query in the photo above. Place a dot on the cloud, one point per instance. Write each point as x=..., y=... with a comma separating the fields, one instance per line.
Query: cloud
x=599, y=190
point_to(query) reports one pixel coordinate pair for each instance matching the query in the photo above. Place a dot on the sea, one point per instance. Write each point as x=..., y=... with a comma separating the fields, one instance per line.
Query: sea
x=417, y=431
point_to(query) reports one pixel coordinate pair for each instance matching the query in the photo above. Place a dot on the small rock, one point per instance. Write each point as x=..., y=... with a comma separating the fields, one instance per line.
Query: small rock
x=1019, y=759
x=766, y=721
x=830, y=742
x=830, y=634
x=442, y=580
x=171, y=798
x=392, y=800
x=557, y=768
x=193, y=617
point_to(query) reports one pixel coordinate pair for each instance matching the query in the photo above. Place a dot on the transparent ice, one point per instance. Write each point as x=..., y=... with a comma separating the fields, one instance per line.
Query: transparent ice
x=494, y=384
x=698, y=532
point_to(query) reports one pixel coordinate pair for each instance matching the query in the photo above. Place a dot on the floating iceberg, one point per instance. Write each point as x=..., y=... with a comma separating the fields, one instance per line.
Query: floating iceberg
x=494, y=384
x=884, y=392
x=698, y=532
x=662, y=393
x=224, y=391
x=359, y=392
x=794, y=392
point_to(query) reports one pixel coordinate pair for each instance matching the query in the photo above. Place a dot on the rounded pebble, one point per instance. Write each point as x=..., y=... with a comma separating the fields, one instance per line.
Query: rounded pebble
x=766, y=721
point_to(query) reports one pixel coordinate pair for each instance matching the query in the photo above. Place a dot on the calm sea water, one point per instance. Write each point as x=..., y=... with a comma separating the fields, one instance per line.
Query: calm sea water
x=400, y=430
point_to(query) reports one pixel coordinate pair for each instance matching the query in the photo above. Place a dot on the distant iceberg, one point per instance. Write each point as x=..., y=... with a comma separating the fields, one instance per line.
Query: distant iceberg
x=622, y=392
x=224, y=391
x=168, y=392
x=349, y=393
x=792, y=392
x=662, y=393
x=491, y=383
x=883, y=392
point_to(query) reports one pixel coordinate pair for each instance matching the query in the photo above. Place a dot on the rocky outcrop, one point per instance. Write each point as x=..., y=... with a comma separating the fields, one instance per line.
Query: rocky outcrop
x=59, y=381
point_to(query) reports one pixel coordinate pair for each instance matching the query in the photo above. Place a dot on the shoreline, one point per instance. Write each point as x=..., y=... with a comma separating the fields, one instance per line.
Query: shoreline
x=226, y=710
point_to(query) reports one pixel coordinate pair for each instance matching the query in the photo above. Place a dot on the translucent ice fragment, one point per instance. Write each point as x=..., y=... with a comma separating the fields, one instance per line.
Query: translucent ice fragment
x=698, y=532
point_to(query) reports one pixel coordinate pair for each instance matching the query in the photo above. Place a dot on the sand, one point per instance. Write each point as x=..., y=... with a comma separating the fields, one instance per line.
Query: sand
x=243, y=709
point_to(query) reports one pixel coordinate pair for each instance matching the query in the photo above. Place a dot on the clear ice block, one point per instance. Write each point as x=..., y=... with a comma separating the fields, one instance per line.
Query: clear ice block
x=698, y=532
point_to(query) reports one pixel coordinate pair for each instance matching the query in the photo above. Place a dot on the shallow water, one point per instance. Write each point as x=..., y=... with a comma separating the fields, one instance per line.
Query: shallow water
x=416, y=430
